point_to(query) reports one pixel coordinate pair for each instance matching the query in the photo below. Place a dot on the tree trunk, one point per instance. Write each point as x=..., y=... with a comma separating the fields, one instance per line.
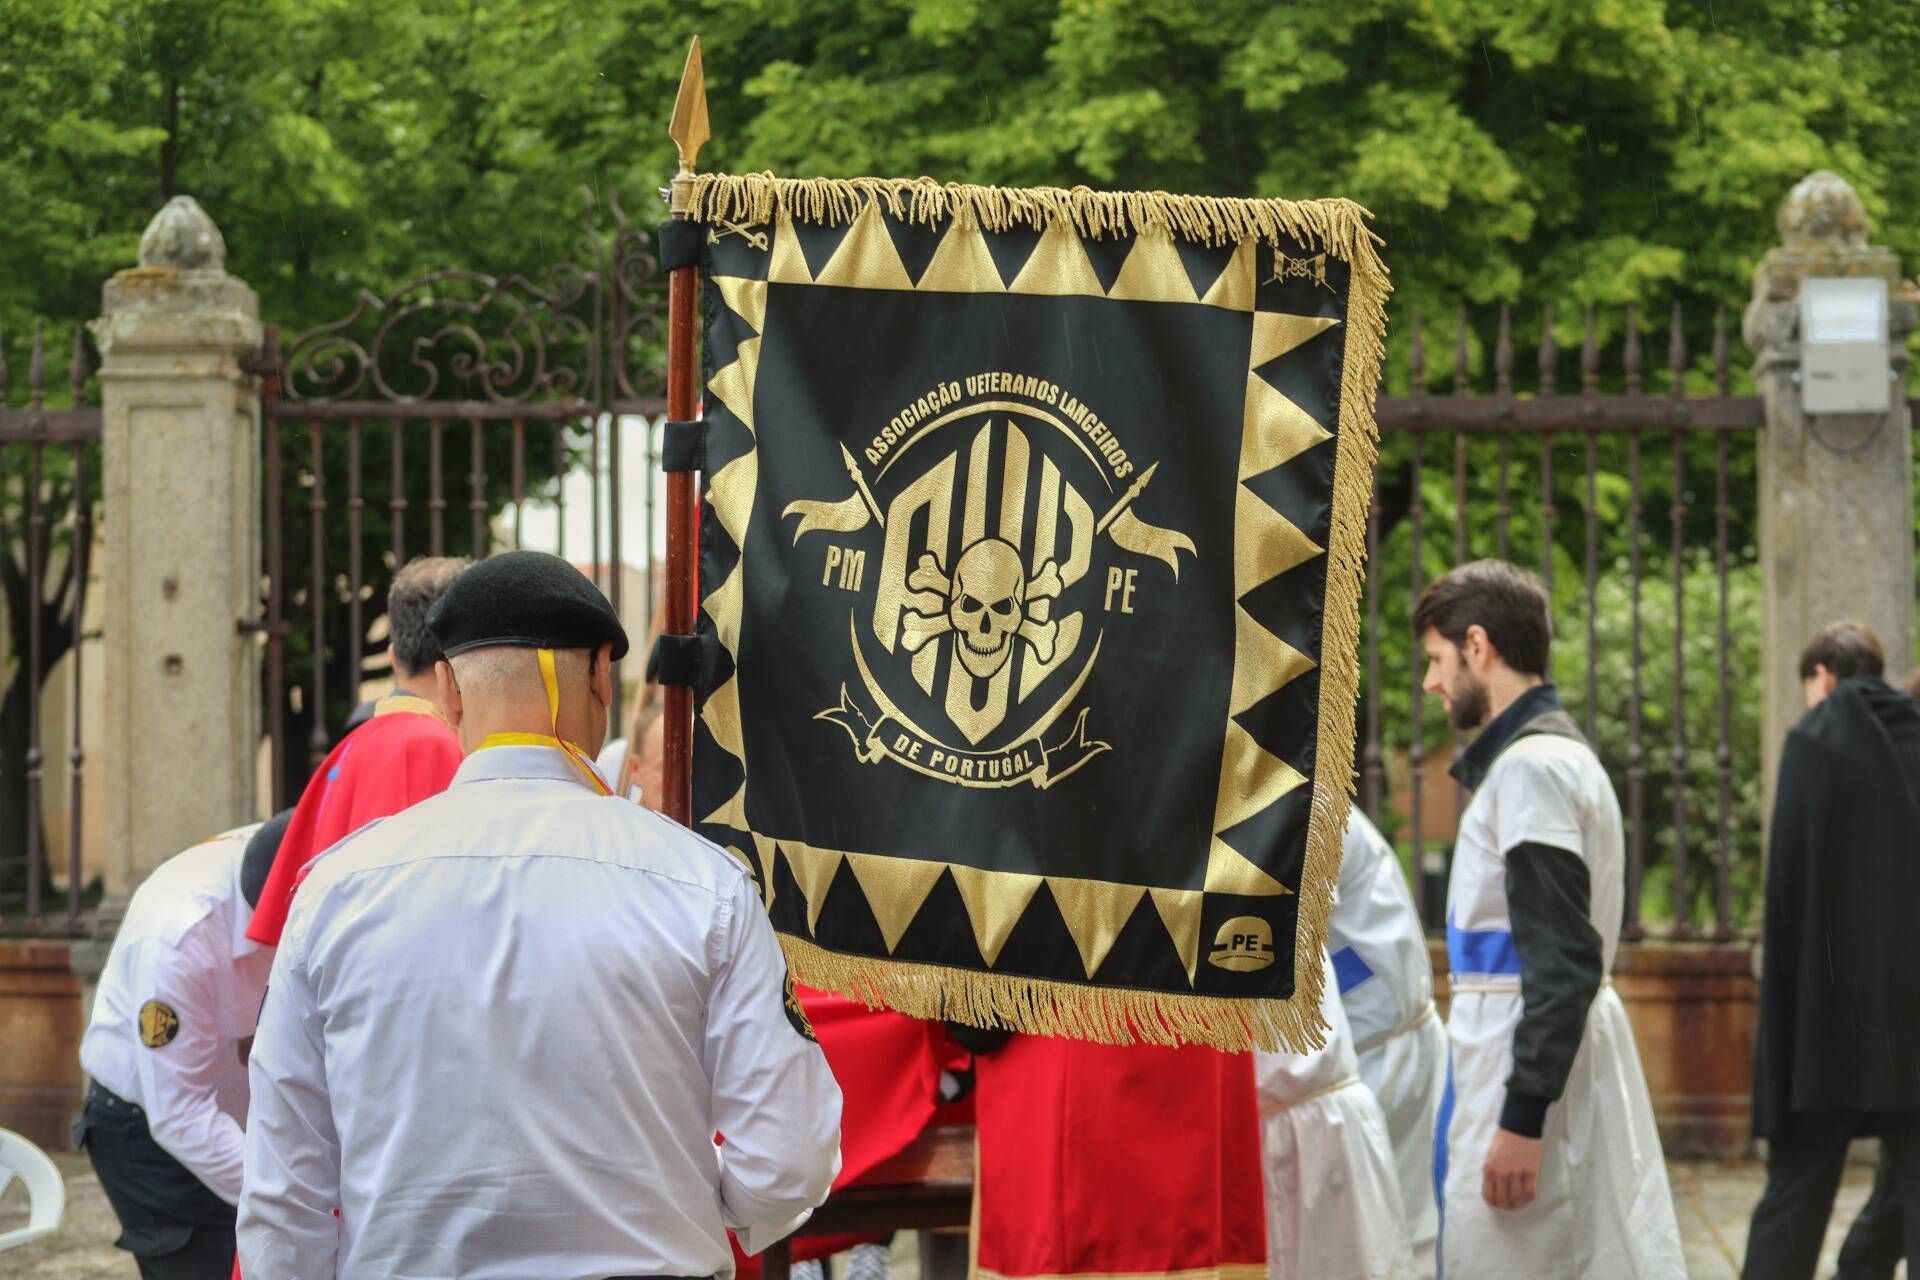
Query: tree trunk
x=56, y=640
x=14, y=852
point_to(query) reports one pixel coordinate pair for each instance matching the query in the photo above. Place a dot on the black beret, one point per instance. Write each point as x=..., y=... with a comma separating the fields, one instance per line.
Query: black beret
x=262, y=847
x=525, y=598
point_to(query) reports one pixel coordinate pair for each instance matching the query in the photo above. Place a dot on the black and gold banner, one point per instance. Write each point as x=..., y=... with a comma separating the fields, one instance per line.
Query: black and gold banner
x=1031, y=564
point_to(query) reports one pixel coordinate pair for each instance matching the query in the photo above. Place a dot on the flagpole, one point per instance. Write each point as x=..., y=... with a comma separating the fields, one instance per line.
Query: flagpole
x=688, y=130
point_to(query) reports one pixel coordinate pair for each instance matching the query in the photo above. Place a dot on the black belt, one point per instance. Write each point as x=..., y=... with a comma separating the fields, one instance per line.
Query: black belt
x=101, y=1096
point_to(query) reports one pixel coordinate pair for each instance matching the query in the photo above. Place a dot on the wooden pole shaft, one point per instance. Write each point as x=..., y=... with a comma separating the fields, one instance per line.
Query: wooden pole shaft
x=682, y=553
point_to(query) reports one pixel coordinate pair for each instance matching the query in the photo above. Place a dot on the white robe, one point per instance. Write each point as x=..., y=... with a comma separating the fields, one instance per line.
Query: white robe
x=1333, y=1203
x=1386, y=987
x=1604, y=1209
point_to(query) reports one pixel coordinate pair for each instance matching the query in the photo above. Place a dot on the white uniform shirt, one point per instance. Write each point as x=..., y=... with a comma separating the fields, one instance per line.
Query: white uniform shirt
x=179, y=994
x=504, y=1028
x=611, y=766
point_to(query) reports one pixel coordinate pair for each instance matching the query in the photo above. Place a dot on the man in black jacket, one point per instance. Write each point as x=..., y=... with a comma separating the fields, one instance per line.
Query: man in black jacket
x=1838, y=1053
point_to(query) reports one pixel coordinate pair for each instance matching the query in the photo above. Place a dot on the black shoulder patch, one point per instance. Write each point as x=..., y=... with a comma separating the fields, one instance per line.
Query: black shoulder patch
x=796, y=1013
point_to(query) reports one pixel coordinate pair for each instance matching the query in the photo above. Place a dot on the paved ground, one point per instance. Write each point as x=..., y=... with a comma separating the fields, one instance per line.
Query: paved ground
x=1712, y=1200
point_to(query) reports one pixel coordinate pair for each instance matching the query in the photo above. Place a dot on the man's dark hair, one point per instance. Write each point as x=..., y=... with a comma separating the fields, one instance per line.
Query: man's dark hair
x=1508, y=602
x=415, y=589
x=262, y=847
x=1848, y=649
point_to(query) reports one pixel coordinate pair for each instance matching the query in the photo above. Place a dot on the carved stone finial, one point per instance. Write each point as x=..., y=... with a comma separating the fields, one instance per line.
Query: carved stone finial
x=1823, y=207
x=183, y=237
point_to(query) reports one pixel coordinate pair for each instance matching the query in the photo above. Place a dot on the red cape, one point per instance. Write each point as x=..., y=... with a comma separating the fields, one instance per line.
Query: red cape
x=1137, y=1161
x=888, y=1068
x=402, y=755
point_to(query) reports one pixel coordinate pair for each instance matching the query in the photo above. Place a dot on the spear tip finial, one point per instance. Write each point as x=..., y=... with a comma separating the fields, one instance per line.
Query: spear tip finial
x=688, y=128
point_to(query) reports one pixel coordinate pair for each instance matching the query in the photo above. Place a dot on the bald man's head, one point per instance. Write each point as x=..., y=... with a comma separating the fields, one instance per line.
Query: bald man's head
x=499, y=689
x=506, y=671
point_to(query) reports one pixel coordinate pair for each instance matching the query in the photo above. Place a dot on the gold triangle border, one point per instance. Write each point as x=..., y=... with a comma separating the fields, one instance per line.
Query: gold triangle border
x=896, y=889
x=764, y=200
x=730, y=493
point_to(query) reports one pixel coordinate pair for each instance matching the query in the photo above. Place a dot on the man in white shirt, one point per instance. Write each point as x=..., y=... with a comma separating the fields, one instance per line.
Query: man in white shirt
x=506, y=1023
x=166, y=1053
x=1385, y=980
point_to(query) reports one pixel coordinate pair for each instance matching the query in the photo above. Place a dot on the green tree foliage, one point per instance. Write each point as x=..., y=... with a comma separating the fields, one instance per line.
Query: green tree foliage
x=1531, y=152
x=1632, y=150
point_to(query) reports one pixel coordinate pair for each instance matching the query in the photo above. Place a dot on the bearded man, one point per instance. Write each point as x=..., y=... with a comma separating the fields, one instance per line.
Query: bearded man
x=1546, y=1156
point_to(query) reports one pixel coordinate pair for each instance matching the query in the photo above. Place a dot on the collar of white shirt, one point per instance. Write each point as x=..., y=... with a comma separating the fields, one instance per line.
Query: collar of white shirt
x=503, y=764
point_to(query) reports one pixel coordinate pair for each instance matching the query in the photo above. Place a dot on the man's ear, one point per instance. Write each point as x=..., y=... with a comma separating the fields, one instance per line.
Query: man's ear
x=448, y=691
x=601, y=674
x=1475, y=649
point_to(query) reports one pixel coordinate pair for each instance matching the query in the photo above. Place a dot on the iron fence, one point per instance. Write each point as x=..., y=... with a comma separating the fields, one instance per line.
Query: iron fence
x=1509, y=483
x=464, y=390
x=503, y=371
x=50, y=478
x=520, y=381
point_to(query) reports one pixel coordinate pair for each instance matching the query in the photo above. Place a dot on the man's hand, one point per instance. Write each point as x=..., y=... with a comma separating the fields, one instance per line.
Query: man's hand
x=1511, y=1178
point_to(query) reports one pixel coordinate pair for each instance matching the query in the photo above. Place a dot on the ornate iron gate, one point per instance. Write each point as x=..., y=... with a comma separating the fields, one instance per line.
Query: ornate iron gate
x=525, y=381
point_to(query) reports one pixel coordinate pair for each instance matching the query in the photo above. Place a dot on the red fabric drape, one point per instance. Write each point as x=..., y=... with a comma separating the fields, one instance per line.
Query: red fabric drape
x=398, y=758
x=888, y=1068
x=1136, y=1161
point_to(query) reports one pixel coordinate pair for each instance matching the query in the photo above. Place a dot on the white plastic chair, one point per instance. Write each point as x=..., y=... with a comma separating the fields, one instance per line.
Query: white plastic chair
x=46, y=1190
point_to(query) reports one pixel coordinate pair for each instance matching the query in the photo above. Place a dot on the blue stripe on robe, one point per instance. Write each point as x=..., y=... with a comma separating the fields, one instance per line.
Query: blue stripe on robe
x=1349, y=970
x=1482, y=951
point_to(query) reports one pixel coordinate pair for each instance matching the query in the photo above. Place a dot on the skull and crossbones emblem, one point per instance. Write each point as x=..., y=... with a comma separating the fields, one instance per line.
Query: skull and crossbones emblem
x=990, y=602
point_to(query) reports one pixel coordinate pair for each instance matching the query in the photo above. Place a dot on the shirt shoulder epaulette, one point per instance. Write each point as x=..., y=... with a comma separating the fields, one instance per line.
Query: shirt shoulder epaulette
x=188, y=887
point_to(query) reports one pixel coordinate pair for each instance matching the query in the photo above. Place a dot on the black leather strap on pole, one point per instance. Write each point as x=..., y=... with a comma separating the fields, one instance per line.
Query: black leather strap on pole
x=675, y=660
x=680, y=244
x=683, y=447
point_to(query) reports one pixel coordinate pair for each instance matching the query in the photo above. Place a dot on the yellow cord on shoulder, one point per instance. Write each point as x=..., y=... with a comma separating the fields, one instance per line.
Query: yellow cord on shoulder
x=548, y=677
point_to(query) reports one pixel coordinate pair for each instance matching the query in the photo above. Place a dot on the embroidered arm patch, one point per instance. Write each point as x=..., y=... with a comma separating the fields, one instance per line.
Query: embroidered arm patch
x=796, y=1013
x=159, y=1024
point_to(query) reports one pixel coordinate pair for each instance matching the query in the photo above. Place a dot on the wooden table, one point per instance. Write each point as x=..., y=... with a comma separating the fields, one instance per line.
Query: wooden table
x=927, y=1186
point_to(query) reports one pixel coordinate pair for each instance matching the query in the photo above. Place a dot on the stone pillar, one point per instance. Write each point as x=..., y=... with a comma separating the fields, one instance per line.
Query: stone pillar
x=181, y=559
x=1836, y=490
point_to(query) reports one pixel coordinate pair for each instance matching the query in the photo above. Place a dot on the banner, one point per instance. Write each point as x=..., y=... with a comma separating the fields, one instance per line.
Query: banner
x=1031, y=568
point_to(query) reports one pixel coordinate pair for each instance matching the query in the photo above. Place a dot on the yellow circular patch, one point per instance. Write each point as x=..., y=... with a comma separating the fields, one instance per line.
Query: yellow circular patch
x=796, y=1013
x=159, y=1024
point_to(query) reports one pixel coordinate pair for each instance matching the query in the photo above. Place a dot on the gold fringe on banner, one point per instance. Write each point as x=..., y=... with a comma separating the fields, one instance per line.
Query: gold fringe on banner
x=1042, y=1007
x=1114, y=1015
x=1337, y=225
x=1358, y=445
